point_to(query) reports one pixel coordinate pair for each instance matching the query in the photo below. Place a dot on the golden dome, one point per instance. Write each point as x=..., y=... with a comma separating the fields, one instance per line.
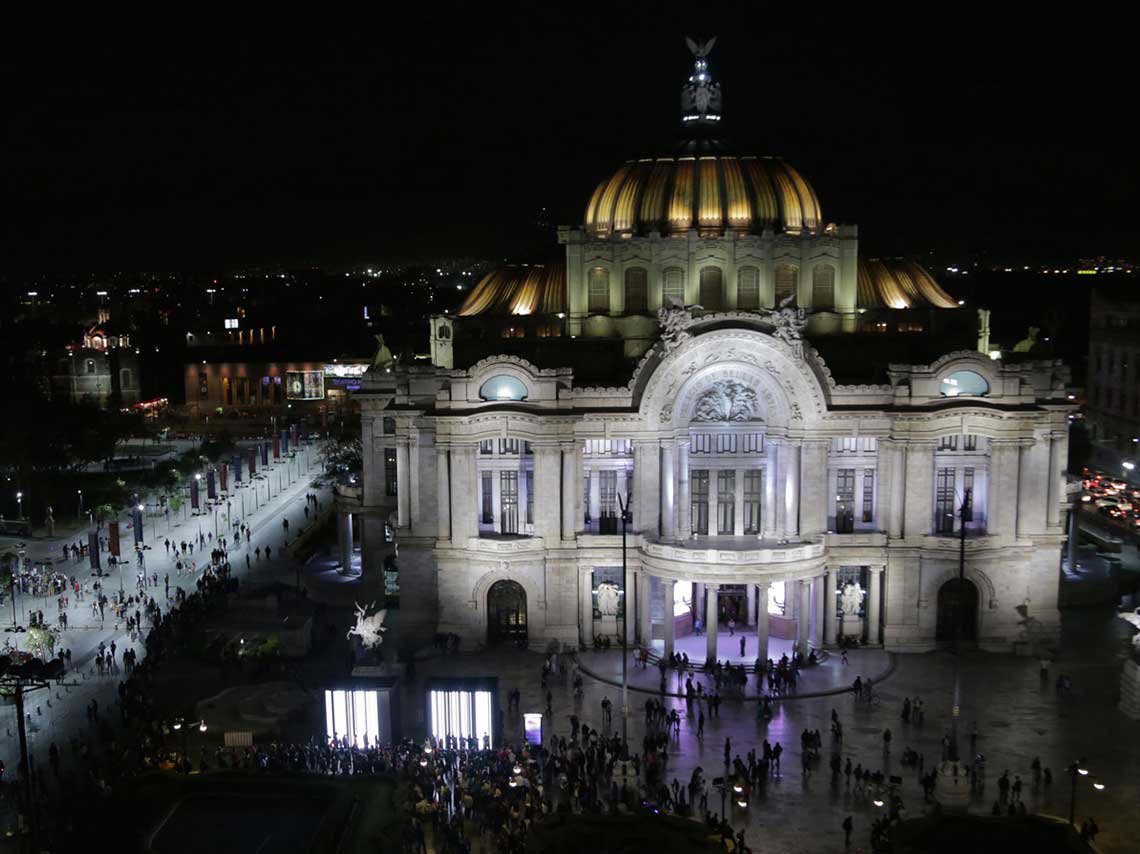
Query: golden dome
x=711, y=193
x=899, y=283
x=519, y=289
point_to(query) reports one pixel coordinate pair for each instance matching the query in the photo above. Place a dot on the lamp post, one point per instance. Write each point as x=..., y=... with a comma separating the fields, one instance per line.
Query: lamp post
x=19, y=506
x=966, y=514
x=625, y=519
x=80, y=516
x=1076, y=771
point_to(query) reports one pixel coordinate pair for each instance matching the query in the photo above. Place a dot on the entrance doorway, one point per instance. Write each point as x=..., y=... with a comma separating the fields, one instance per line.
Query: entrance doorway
x=506, y=612
x=957, y=600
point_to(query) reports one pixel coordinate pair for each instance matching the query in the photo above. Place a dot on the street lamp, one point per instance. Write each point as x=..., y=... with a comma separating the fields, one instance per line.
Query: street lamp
x=80, y=517
x=1077, y=770
x=19, y=505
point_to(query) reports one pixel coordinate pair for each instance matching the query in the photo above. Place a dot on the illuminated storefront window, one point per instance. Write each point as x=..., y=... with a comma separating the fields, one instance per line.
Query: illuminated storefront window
x=462, y=715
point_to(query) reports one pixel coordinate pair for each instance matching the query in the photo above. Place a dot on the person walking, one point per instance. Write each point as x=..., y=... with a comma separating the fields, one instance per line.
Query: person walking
x=848, y=826
x=701, y=723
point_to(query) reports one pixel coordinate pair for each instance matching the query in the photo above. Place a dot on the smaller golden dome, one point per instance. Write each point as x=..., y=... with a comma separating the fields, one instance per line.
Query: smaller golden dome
x=519, y=289
x=899, y=283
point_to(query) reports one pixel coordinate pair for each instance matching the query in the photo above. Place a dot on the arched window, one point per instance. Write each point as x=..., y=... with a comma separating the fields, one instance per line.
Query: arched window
x=785, y=275
x=636, y=289
x=712, y=289
x=823, y=287
x=748, y=288
x=125, y=378
x=599, y=289
x=961, y=383
x=503, y=387
x=673, y=286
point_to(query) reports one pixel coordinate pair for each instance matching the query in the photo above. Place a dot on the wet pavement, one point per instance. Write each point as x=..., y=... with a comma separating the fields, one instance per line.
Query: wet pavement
x=1018, y=717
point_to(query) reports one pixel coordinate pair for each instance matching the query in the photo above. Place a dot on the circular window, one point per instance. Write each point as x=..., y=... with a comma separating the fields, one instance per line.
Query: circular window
x=964, y=383
x=503, y=387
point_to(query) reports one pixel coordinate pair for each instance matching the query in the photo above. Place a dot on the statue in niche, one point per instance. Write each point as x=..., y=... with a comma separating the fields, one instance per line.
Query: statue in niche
x=608, y=597
x=851, y=599
x=727, y=401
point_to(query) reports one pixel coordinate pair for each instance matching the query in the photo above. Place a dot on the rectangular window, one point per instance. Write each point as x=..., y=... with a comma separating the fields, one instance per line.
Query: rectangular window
x=845, y=501
x=203, y=385
x=699, y=485
x=486, y=446
x=586, y=493
x=599, y=286
x=228, y=389
x=673, y=287
x=753, y=443
x=488, y=512
x=970, y=442
x=944, y=502
x=509, y=501
x=967, y=482
x=868, y=495
x=390, y=471
x=753, y=490
x=607, y=493
x=508, y=446
x=748, y=288
x=726, y=443
x=700, y=443
x=948, y=443
x=530, y=498
x=726, y=502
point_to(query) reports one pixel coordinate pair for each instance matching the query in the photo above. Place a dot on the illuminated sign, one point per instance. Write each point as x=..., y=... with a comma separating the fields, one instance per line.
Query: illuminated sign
x=305, y=385
x=532, y=728
x=354, y=715
x=339, y=370
x=231, y=323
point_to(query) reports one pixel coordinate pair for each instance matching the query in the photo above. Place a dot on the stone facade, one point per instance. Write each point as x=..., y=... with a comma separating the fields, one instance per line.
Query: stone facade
x=747, y=469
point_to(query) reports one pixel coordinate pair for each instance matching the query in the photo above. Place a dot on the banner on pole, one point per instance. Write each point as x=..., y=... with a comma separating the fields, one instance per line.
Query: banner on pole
x=138, y=523
x=252, y=461
x=276, y=447
x=113, y=539
x=285, y=441
x=194, y=497
x=93, y=548
x=264, y=453
x=223, y=475
x=211, y=485
x=236, y=462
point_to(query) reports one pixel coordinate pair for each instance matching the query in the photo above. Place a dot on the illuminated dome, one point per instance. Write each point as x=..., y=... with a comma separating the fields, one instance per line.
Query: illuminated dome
x=712, y=193
x=519, y=289
x=899, y=283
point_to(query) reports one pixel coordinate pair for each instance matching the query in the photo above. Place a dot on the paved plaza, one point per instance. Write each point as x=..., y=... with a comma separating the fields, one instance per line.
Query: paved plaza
x=59, y=715
x=1018, y=717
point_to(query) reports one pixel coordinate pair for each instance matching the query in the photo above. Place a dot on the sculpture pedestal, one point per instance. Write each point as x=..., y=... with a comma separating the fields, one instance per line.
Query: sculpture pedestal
x=607, y=626
x=952, y=786
x=1130, y=689
x=850, y=626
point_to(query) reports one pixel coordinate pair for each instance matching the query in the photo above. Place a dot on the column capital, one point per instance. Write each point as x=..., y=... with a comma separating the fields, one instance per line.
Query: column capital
x=443, y=447
x=568, y=445
x=876, y=568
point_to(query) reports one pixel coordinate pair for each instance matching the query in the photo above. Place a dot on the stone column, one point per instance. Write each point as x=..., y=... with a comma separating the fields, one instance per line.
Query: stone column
x=762, y=621
x=647, y=489
x=684, y=500
x=829, y=606
x=644, y=617
x=1031, y=492
x=1056, y=482
x=586, y=606
x=629, y=622
x=546, y=464
x=1001, y=500
x=415, y=470
x=804, y=622
x=403, y=483
x=792, y=496
x=464, y=494
x=571, y=469
x=896, y=488
x=874, y=606
x=813, y=488
x=751, y=593
x=668, y=491
x=595, y=496
x=668, y=628
x=1074, y=533
x=711, y=621
x=443, y=492
x=770, y=524
x=819, y=596
x=918, y=513
x=344, y=540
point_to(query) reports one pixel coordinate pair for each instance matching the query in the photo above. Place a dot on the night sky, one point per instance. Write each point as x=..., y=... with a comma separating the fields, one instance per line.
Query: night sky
x=194, y=147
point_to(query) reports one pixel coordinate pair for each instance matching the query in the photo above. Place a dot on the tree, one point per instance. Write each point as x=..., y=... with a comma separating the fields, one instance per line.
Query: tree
x=41, y=641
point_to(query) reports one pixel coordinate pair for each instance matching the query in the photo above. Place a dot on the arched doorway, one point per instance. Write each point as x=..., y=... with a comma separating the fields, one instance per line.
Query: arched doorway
x=506, y=611
x=957, y=600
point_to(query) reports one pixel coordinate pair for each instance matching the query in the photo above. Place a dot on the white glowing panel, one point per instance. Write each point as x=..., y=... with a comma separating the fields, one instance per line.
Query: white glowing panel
x=354, y=715
x=680, y=600
x=776, y=597
x=461, y=714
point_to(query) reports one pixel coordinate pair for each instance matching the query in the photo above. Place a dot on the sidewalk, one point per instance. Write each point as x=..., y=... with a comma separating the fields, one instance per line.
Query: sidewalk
x=60, y=714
